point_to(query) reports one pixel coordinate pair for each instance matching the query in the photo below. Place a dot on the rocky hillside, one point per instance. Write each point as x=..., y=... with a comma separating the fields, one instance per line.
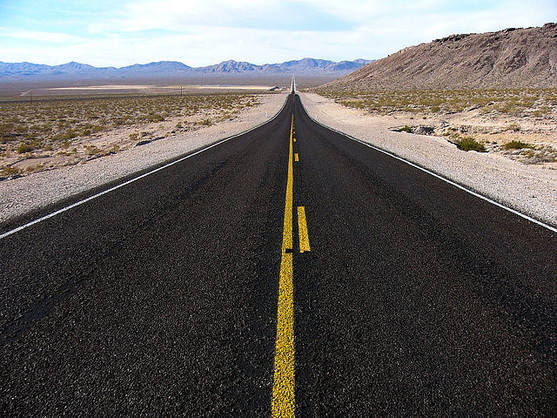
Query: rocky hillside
x=505, y=59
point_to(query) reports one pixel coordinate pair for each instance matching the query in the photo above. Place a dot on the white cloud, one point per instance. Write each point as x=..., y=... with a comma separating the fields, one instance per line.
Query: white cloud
x=199, y=32
x=180, y=15
x=56, y=37
x=203, y=46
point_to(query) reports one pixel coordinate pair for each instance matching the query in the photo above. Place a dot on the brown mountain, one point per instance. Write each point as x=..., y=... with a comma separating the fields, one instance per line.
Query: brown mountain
x=504, y=59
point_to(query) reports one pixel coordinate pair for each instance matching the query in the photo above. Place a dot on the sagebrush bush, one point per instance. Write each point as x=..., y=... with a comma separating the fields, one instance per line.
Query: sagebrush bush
x=517, y=145
x=23, y=148
x=467, y=143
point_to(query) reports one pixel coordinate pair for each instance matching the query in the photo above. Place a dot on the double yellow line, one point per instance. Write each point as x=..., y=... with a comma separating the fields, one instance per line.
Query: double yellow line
x=283, y=400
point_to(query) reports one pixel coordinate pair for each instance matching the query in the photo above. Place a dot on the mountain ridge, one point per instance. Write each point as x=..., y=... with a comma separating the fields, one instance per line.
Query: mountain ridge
x=75, y=71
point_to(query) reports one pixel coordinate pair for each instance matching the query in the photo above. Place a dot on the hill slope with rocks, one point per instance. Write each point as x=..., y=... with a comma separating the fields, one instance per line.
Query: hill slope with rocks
x=510, y=58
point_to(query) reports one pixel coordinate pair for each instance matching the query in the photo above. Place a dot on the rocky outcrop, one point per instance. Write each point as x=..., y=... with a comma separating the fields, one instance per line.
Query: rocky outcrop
x=504, y=59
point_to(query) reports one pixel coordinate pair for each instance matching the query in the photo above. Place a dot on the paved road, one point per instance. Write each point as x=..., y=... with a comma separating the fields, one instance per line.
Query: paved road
x=186, y=292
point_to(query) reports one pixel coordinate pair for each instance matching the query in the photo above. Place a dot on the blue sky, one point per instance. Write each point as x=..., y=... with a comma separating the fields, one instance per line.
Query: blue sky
x=203, y=32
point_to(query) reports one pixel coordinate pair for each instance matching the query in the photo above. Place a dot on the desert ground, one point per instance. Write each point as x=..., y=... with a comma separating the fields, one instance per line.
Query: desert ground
x=519, y=124
x=51, y=131
x=19, y=90
x=145, y=89
x=22, y=193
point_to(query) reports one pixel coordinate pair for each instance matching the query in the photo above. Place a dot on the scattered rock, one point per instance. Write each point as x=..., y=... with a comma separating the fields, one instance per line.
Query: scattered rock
x=424, y=130
x=405, y=128
x=418, y=130
x=148, y=141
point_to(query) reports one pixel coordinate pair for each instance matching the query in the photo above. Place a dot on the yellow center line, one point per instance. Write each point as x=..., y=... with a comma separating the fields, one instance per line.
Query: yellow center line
x=287, y=230
x=296, y=157
x=303, y=230
x=282, y=403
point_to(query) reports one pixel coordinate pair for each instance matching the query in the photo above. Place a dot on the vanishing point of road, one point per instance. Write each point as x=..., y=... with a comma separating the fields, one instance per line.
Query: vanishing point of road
x=289, y=270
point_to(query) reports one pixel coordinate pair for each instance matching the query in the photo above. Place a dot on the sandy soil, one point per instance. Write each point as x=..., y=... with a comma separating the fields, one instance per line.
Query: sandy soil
x=105, y=87
x=145, y=89
x=493, y=132
x=112, y=138
x=24, y=194
x=142, y=87
x=531, y=189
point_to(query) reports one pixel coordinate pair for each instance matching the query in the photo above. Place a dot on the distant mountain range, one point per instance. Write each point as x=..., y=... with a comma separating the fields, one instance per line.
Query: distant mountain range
x=26, y=71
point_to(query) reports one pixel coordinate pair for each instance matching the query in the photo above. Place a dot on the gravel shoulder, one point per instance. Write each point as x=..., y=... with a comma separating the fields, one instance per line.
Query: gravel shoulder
x=25, y=194
x=529, y=189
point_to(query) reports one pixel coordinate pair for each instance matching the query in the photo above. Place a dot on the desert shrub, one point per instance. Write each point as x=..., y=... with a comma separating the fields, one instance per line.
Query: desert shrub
x=91, y=150
x=65, y=135
x=155, y=117
x=6, y=128
x=9, y=171
x=32, y=168
x=517, y=145
x=24, y=147
x=467, y=143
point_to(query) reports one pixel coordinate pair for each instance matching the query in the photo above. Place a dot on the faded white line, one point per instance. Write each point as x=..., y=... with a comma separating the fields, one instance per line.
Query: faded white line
x=425, y=170
x=81, y=202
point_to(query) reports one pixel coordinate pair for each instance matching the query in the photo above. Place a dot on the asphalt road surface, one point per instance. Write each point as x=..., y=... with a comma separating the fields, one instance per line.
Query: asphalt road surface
x=290, y=269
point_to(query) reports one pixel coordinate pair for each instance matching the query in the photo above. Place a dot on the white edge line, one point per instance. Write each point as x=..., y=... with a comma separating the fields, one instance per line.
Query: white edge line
x=81, y=202
x=425, y=170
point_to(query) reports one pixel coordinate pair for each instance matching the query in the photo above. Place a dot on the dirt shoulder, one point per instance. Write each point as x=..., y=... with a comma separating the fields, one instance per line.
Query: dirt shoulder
x=24, y=194
x=53, y=132
x=529, y=188
x=517, y=123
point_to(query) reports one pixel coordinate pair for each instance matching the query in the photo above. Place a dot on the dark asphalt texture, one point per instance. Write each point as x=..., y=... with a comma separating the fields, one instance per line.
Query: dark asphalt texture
x=160, y=297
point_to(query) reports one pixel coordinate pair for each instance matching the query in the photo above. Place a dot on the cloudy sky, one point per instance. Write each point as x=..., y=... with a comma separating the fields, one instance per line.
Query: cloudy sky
x=203, y=32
